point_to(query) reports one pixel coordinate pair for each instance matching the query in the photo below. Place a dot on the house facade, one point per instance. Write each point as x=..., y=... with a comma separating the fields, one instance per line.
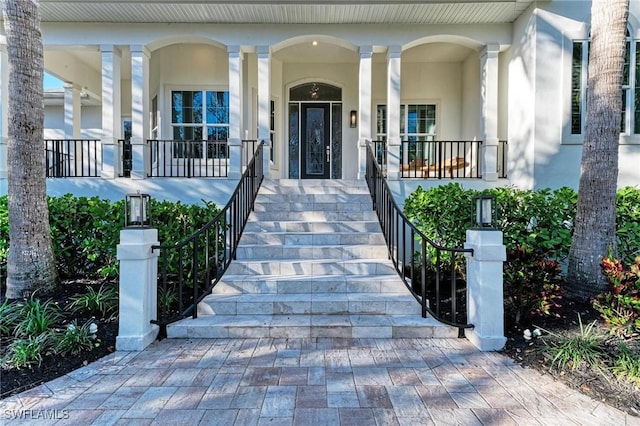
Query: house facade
x=484, y=93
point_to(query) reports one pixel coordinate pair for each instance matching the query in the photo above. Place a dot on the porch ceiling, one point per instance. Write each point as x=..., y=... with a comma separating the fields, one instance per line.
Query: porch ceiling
x=285, y=11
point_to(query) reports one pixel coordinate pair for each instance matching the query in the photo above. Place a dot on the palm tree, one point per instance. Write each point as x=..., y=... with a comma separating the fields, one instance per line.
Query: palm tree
x=595, y=226
x=30, y=263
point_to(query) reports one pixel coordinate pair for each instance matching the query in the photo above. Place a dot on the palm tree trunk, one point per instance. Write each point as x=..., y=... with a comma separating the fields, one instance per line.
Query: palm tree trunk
x=595, y=228
x=30, y=262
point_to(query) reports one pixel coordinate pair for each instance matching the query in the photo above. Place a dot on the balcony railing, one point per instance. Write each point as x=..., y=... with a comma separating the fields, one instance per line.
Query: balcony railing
x=199, y=158
x=440, y=159
x=73, y=157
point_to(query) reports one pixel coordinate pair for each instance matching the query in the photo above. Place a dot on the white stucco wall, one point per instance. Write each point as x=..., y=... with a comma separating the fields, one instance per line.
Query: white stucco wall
x=91, y=122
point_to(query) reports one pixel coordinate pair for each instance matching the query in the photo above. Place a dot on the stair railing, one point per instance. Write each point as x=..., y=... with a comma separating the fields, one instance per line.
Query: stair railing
x=189, y=269
x=434, y=274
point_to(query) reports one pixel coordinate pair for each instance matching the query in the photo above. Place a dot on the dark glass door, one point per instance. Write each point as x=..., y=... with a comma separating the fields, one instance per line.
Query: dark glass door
x=315, y=151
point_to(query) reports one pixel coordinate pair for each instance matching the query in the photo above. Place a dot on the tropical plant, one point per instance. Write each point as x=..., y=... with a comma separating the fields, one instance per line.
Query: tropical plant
x=620, y=307
x=584, y=348
x=532, y=285
x=35, y=317
x=627, y=365
x=75, y=339
x=27, y=351
x=102, y=303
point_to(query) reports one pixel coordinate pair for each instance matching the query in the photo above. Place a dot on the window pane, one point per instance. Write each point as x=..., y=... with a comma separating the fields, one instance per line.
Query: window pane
x=625, y=66
x=184, y=133
x=186, y=107
x=217, y=133
x=217, y=107
x=294, y=141
x=421, y=119
x=576, y=89
x=315, y=92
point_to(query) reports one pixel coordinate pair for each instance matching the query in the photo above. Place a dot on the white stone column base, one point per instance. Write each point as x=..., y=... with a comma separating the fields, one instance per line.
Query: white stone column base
x=137, y=343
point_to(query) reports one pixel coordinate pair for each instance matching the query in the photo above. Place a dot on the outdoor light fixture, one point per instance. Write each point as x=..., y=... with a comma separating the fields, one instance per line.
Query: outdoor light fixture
x=353, y=118
x=484, y=212
x=137, y=212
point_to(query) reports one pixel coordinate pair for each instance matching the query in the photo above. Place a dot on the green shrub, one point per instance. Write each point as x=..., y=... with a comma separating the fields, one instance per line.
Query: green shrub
x=532, y=285
x=85, y=231
x=532, y=220
x=620, y=307
x=539, y=221
x=442, y=213
x=102, y=303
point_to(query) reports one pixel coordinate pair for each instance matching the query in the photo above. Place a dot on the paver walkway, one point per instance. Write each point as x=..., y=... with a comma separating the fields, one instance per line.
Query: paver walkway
x=315, y=382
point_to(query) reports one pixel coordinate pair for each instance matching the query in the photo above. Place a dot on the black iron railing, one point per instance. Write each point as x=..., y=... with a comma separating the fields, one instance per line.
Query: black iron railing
x=196, y=158
x=72, y=157
x=435, y=275
x=440, y=159
x=189, y=269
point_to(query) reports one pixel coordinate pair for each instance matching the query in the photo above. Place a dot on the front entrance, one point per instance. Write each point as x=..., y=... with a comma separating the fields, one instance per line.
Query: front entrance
x=315, y=148
x=315, y=132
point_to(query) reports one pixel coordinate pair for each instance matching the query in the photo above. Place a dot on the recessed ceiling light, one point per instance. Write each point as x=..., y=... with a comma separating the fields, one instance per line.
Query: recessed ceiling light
x=314, y=43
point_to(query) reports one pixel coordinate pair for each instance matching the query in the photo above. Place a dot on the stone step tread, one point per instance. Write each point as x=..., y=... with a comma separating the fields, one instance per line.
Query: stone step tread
x=313, y=216
x=309, y=297
x=308, y=303
x=308, y=277
x=310, y=227
x=312, y=238
x=364, y=197
x=306, y=325
x=319, y=252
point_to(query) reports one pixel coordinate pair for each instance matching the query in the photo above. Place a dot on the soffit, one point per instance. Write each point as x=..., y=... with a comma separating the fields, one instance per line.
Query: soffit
x=284, y=11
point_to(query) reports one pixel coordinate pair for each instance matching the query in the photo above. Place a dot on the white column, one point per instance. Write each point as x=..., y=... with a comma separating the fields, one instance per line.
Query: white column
x=138, y=289
x=4, y=123
x=364, y=107
x=72, y=111
x=235, y=111
x=72, y=116
x=264, y=104
x=489, y=107
x=485, y=302
x=111, y=111
x=393, y=112
x=139, y=110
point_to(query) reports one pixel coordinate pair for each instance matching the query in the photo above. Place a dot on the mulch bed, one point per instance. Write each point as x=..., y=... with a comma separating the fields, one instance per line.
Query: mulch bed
x=53, y=366
x=601, y=385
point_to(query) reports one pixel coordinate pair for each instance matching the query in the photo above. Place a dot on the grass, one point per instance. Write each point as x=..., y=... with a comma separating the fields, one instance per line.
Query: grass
x=574, y=351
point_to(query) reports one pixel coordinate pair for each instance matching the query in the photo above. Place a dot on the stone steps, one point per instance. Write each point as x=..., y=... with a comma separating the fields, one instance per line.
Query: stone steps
x=311, y=262
x=296, y=284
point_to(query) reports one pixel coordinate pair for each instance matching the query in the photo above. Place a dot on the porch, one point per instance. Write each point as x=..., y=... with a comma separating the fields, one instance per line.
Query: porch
x=84, y=158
